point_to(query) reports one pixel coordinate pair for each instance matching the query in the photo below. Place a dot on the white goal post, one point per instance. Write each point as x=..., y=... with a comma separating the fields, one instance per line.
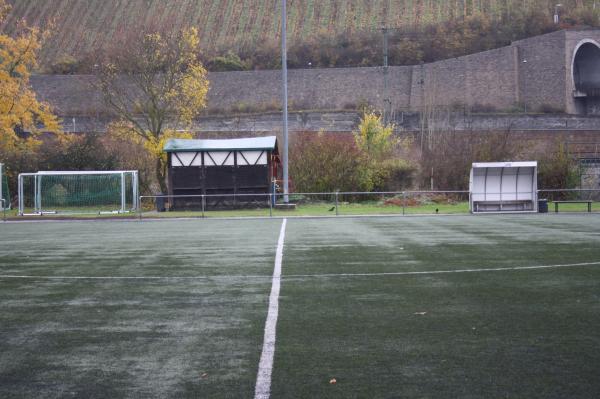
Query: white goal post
x=4, y=195
x=79, y=192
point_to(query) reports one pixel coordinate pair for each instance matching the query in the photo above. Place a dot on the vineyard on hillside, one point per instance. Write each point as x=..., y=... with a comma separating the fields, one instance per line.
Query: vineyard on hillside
x=84, y=26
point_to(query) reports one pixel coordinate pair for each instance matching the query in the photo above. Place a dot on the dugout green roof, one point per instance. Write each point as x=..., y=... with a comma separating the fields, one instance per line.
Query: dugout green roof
x=254, y=143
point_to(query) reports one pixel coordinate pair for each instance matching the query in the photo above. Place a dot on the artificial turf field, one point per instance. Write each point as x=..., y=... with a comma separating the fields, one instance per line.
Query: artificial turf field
x=389, y=307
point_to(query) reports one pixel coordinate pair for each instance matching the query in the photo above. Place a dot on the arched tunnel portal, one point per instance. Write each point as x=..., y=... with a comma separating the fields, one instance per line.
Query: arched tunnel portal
x=586, y=77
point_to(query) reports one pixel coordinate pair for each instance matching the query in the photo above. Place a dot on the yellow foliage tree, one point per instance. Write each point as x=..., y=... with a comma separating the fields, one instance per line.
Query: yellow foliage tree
x=383, y=168
x=156, y=87
x=374, y=138
x=22, y=117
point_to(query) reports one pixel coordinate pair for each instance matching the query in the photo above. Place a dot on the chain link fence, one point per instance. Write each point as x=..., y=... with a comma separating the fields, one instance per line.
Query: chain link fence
x=306, y=204
x=333, y=204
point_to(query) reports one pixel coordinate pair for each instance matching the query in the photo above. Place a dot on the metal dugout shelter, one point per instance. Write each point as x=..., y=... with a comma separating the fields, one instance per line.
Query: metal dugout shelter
x=228, y=167
x=503, y=187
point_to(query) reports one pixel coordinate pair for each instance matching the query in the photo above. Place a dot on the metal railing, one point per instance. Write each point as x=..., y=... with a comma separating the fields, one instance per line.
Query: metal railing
x=342, y=203
x=347, y=203
x=203, y=200
x=321, y=203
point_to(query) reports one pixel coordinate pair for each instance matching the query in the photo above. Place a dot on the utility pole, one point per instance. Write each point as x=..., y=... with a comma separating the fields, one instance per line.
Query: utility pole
x=386, y=96
x=286, y=197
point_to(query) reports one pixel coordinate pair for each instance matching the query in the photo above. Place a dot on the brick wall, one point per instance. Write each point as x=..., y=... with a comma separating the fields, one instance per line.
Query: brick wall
x=487, y=78
x=319, y=88
x=542, y=71
x=535, y=72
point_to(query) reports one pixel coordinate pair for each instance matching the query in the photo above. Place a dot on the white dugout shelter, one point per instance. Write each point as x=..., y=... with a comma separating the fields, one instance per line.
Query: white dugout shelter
x=503, y=187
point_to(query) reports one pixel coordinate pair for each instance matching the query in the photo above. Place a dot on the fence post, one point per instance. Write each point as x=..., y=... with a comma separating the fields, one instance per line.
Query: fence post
x=336, y=203
x=403, y=201
x=203, y=205
x=270, y=205
x=140, y=207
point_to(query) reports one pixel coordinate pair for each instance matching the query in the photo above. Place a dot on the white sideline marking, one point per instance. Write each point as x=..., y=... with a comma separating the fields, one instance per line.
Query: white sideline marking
x=495, y=269
x=265, y=366
x=425, y=272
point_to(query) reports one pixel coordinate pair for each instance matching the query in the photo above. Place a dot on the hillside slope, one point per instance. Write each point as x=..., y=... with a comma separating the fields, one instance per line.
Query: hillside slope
x=84, y=26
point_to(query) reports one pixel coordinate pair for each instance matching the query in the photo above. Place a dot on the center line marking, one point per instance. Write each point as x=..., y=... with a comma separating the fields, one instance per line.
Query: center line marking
x=265, y=366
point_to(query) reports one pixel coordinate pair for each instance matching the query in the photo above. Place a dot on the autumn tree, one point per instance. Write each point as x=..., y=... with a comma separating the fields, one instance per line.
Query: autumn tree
x=380, y=149
x=326, y=162
x=156, y=86
x=22, y=117
x=374, y=137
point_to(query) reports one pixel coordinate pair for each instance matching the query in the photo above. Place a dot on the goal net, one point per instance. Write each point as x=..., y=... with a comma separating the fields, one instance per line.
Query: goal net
x=4, y=194
x=78, y=192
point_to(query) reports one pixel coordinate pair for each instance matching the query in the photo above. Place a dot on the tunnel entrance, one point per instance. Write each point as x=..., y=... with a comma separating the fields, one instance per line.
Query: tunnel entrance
x=586, y=77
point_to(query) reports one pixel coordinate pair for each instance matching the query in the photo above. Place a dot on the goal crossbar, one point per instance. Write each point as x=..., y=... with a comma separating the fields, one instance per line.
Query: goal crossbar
x=91, y=172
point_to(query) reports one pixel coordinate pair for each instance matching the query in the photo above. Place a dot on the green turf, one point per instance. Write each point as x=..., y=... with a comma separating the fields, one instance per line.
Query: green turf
x=521, y=334
x=498, y=334
x=133, y=338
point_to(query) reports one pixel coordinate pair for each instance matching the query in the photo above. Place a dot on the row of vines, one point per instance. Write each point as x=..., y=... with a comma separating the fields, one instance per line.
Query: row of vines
x=84, y=26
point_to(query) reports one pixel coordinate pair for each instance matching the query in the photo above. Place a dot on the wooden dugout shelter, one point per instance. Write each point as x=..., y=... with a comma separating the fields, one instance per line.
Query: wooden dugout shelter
x=222, y=169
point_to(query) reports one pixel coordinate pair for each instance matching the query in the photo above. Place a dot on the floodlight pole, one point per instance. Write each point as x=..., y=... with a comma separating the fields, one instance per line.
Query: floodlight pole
x=286, y=198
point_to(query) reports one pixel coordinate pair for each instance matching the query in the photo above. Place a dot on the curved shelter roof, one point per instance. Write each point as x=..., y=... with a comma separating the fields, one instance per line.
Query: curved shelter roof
x=254, y=143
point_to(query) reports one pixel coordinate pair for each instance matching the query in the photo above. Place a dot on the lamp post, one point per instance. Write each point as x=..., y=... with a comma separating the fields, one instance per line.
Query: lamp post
x=556, y=7
x=286, y=198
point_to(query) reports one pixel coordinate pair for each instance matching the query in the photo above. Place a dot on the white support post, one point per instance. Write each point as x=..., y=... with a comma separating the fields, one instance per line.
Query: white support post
x=20, y=194
x=501, y=181
x=38, y=194
x=135, y=201
x=2, y=184
x=123, y=188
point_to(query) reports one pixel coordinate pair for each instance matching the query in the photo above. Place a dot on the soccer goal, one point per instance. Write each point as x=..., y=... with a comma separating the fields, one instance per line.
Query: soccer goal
x=4, y=194
x=93, y=192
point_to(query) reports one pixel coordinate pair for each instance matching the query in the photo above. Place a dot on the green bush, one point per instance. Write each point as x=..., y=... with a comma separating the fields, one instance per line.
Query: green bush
x=83, y=152
x=228, y=62
x=557, y=170
x=392, y=175
x=365, y=161
x=65, y=65
x=326, y=163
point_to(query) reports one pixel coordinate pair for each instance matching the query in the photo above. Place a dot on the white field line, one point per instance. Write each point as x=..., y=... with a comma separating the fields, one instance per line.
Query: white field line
x=265, y=366
x=289, y=276
x=495, y=269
